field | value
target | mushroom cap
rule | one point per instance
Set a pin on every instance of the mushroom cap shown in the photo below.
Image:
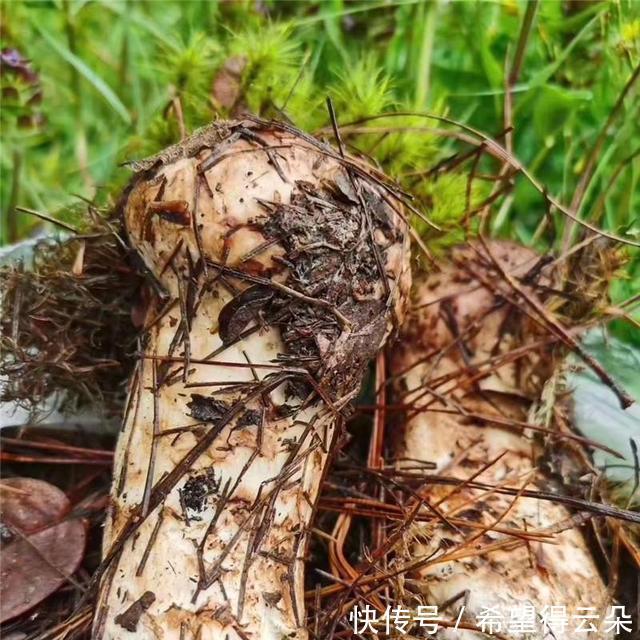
(269, 208)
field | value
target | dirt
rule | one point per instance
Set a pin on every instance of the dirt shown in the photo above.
(332, 257)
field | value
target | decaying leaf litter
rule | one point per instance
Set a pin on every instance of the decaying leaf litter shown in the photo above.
(365, 549)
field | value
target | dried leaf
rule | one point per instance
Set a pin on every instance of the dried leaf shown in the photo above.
(29, 504)
(39, 552)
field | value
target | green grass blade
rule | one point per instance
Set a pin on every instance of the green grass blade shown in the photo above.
(88, 74)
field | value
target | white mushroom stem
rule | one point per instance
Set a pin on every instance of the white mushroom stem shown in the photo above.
(279, 273)
(473, 360)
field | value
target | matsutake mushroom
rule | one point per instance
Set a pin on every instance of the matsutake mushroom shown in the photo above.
(478, 352)
(279, 267)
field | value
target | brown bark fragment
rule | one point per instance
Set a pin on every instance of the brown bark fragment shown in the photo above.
(130, 617)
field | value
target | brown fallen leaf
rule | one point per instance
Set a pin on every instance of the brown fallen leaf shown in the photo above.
(40, 550)
(29, 504)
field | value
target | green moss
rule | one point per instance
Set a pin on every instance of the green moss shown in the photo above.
(109, 71)
(362, 90)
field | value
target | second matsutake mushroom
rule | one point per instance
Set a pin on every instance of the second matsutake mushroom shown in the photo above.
(279, 268)
(476, 355)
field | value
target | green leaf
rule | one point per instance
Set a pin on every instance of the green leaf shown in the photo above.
(554, 106)
(542, 76)
(90, 76)
(597, 411)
